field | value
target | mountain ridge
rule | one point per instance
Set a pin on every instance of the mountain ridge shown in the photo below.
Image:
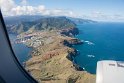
(19, 24)
(48, 23)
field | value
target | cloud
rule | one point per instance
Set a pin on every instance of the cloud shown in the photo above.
(24, 2)
(100, 16)
(27, 10)
(6, 6)
(59, 12)
(12, 9)
(118, 16)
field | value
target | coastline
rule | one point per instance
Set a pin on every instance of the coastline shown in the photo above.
(56, 54)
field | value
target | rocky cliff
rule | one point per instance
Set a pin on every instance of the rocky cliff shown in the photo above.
(52, 62)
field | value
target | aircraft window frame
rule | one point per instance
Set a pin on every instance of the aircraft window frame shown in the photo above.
(25, 73)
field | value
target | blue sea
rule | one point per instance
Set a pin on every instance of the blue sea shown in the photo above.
(21, 51)
(102, 41)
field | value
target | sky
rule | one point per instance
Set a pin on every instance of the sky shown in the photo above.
(99, 10)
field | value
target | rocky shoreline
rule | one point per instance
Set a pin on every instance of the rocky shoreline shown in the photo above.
(52, 40)
(53, 58)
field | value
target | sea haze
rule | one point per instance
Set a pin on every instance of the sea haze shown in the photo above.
(103, 41)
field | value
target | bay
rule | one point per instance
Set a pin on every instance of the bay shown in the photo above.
(21, 51)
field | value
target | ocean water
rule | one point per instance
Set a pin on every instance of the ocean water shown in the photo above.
(103, 41)
(21, 51)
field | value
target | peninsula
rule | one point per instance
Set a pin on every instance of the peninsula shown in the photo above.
(52, 57)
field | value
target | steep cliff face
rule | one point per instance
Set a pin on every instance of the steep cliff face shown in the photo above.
(70, 31)
(53, 62)
(57, 69)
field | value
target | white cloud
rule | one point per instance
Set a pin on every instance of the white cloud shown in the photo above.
(59, 12)
(118, 16)
(24, 2)
(100, 16)
(6, 6)
(27, 10)
(12, 9)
